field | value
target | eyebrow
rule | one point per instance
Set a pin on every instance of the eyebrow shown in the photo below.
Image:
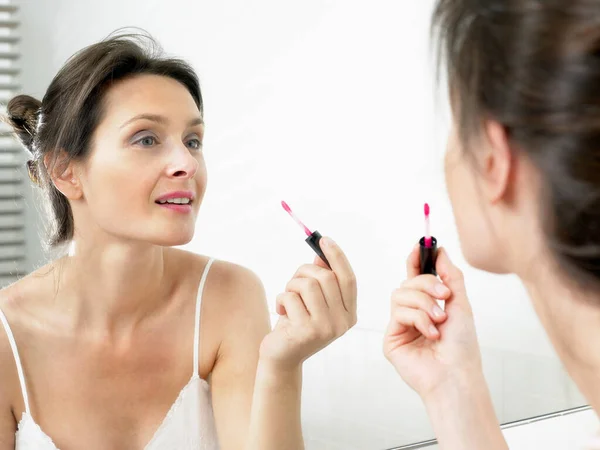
(162, 120)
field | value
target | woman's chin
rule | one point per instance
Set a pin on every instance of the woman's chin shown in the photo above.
(173, 240)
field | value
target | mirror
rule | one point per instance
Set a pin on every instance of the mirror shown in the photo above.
(331, 106)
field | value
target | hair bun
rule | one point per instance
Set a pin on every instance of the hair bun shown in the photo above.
(23, 112)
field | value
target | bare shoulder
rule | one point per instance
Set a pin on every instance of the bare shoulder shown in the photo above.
(10, 390)
(234, 303)
(17, 302)
(12, 302)
(227, 283)
(7, 361)
(234, 283)
(20, 302)
(22, 299)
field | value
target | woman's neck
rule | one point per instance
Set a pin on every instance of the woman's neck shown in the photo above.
(109, 288)
(571, 318)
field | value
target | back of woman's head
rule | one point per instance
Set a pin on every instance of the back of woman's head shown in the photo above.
(60, 128)
(534, 67)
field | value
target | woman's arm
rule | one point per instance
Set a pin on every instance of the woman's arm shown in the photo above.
(463, 416)
(275, 422)
(317, 307)
(7, 428)
(257, 379)
(436, 352)
(244, 322)
(9, 384)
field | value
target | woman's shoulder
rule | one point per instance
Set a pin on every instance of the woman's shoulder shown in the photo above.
(234, 303)
(230, 290)
(20, 297)
(6, 356)
(10, 298)
(224, 277)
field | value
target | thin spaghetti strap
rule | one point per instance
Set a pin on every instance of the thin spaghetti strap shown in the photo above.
(13, 346)
(198, 311)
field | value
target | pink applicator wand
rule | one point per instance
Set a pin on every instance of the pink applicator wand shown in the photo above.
(313, 236)
(428, 247)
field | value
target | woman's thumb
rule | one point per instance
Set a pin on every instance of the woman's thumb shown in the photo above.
(451, 275)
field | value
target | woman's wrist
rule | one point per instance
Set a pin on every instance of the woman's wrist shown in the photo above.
(276, 407)
(272, 374)
(462, 414)
(460, 382)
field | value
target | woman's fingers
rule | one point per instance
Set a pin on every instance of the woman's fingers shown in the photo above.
(428, 284)
(413, 263)
(417, 319)
(343, 270)
(327, 279)
(290, 304)
(412, 298)
(451, 275)
(311, 295)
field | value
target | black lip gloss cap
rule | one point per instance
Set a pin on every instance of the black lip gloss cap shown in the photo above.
(313, 241)
(428, 256)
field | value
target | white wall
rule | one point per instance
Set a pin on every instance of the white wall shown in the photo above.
(328, 104)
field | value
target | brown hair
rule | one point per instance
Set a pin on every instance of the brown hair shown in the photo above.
(63, 123)
(534, 66)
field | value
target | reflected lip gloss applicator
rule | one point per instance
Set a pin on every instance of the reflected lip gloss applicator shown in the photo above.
(427, 247)
(313, 236)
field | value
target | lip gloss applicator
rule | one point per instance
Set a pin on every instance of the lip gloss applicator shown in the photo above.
(428, 247)
(313, 236)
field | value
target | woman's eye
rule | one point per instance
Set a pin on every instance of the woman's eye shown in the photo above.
(195, 144)
(146, 141)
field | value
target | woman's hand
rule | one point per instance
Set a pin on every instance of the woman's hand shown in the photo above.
(317, 307)
(429, 347)
(437, 354)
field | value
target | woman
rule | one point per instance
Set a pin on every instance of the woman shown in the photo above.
(523, 176)
(106, 347)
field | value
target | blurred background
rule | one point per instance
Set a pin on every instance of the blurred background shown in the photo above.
(332, 106)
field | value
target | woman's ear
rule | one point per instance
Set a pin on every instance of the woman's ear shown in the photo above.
(64, 174)
(497, 161)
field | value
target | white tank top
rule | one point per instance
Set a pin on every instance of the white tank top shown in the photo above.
(189, 424)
